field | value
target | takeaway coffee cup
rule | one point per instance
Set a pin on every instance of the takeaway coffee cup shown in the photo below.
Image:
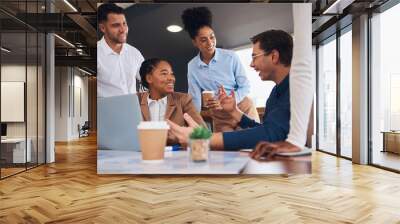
(153, 139)
(207, 95)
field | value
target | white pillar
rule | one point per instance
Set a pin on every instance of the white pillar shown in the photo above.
(360, 90)
(50, 99)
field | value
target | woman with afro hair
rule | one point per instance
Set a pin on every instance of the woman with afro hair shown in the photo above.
(213, 68)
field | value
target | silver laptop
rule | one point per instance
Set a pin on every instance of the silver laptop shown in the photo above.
(117, 121)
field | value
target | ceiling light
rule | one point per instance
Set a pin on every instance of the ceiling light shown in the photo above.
(174, 28)
(337, 7)
(70, 5)
(5, 50)
(84, 71)
(65, 41)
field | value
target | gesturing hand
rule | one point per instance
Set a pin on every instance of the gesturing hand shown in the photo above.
(182, 133)
(227, 102)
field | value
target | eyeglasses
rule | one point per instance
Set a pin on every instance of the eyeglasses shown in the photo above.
(254, 56)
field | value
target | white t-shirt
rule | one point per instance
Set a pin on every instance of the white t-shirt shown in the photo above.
(157, 108)
(117, 73)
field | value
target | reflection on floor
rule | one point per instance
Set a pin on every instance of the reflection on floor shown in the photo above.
(10, 171)
(387, 159)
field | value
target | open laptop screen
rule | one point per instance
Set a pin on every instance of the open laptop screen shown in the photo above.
(117, 121)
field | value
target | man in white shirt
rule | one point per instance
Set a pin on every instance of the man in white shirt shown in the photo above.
(118, 63)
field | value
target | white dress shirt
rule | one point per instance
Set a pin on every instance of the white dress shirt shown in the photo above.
(301, 76)
(157, 108)
(117, 73)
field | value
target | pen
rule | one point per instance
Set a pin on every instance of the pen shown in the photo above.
(172, 148)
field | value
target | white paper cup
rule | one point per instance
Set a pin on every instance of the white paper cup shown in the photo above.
(153, 139)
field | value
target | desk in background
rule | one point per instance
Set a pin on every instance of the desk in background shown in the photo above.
(13, 150)
(391, 141)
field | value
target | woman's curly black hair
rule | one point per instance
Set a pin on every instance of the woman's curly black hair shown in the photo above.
(146, 68)
(195, 18)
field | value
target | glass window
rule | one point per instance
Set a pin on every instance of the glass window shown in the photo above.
(22, 90)
(385, 87)
(346, 94)
(14, 147)
(327, 96)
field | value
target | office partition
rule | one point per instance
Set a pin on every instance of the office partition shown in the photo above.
(22, 77)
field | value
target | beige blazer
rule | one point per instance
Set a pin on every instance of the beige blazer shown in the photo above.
(177, 105)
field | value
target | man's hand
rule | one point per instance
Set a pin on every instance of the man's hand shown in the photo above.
(182, 133)
(268, 150)
(228, 104)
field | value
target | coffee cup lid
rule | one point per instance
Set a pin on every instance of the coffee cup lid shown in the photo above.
(153, 125)
(208, 91)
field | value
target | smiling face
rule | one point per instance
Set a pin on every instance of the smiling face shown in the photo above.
(115, 28)
(265, 63)
(161, 79)
(205, 40)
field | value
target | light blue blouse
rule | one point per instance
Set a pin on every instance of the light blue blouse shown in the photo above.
(224, 69)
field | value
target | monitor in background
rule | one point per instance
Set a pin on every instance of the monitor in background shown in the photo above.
(3, 129)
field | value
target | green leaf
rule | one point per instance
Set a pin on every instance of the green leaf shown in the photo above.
(200, 133)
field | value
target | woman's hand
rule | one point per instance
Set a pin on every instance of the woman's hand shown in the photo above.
(213, 104)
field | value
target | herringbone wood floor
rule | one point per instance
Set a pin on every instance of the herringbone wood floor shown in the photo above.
(70, 191)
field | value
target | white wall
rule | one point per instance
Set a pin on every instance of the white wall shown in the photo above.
(33, 127)
(71, 94)
(62, 81)
(17, 73)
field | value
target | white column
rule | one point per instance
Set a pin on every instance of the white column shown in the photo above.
(360, 90)
(50, 99)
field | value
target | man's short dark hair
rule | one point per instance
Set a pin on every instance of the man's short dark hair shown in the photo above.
(107, 8)
(278, 40)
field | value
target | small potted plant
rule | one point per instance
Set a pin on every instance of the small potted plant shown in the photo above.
(200, 144)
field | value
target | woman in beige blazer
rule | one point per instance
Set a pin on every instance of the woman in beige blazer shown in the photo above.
(159, 102)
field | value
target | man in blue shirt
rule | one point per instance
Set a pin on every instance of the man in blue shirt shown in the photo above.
(272, 55)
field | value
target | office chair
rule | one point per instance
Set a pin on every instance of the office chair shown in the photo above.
(84, 130)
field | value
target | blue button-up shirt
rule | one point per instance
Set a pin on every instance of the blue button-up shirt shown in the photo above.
(224, 69)
(275, 126)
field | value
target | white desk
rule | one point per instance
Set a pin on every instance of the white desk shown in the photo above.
(18, 149)
(177, 162)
